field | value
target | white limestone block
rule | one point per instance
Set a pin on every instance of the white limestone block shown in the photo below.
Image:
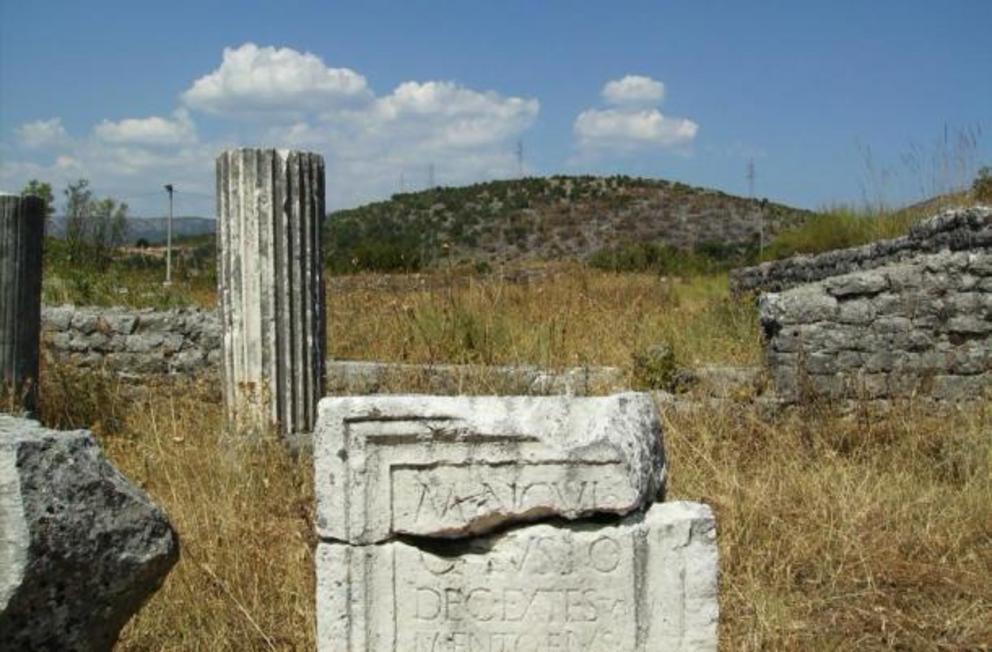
(458, 466)
(648, 583)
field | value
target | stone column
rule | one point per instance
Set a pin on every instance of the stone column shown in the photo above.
(270, 211)
(22, 228)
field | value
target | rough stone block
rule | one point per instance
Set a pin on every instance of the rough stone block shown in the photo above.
(646, 583)
(451, 466)
(80, 548)
(856, 284)
(58, 318)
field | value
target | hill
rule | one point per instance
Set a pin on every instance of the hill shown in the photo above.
(553, 218)
(151, 229)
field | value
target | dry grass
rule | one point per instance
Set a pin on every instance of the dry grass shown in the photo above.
(573, 318)
(867, 531)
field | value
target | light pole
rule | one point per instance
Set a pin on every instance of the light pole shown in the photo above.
(168, 239)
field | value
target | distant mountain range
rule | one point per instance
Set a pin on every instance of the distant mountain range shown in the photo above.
(152, 229)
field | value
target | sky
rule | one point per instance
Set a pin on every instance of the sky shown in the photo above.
(827, 102)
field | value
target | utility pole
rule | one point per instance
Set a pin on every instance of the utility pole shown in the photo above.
(761, 213)
(430, 176)
(520, 158)
(168, 239)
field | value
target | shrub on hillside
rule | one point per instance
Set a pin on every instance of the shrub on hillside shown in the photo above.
(707, 258)
(981, 188)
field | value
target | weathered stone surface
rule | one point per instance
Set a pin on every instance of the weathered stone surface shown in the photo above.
(919, 327)
(452, 466)
(22, 229)
(131, 341)
(647, 583)
(270, 212)
(80, 547)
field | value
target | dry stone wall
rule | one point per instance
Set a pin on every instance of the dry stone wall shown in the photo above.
(127, 341)
(919, 327)
(954, 230)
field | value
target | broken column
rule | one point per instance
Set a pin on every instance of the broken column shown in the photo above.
(505, 524)
(270, 211)
(81, 548)
(22, 229)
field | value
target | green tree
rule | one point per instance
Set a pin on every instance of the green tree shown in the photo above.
(93, 227)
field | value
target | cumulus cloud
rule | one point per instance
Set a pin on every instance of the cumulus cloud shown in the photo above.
(295, 100)
(467, 135)
(616, 128)
(633, 122)
(153, 130)
(448, 115)
(254, 79)
(42, 133)
(634, 90)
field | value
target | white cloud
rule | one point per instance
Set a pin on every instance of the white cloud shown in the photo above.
(633, 122)
(634, 90)
(625, 129)
(444, 114)
(466, 134)
(42, 133)
(297, 101)
(254, 79)
(153, 130)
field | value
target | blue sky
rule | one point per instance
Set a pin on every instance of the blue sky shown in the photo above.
(132, 94)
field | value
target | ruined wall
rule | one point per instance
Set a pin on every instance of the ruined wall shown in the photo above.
(922, 326)
(954, 230)
(184, 340)
(187, 341)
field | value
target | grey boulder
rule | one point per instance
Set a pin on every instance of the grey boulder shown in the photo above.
(81, 548)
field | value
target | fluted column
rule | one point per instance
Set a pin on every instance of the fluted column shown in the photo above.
(22, 228)
(270, 210)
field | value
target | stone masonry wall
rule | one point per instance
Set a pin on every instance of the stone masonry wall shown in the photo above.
(136, 343)
(954, 230)
(184, 340)
(922, 326)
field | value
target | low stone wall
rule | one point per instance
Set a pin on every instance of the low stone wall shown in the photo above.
(954, 230)
(922, 326)
(127, 341)
(187, 341)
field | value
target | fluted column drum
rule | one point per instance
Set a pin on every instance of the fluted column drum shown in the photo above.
(270, 212)
(22, 230)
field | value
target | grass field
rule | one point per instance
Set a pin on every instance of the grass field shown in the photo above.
(864, 530)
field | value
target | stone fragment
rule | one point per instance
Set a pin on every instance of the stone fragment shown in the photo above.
(646, 583)
(859, 283)
(453, 466)
(80, 548)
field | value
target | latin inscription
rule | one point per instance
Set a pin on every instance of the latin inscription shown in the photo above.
(531, 593)
(426, 500)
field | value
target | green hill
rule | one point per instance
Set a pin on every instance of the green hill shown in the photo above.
(554, 218)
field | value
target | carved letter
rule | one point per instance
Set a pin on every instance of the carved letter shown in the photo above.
(434, 610)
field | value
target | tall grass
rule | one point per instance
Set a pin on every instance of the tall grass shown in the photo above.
(573, 318)
(838, 228)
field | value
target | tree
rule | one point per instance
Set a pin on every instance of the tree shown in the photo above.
(93, 227)
(44, 190)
